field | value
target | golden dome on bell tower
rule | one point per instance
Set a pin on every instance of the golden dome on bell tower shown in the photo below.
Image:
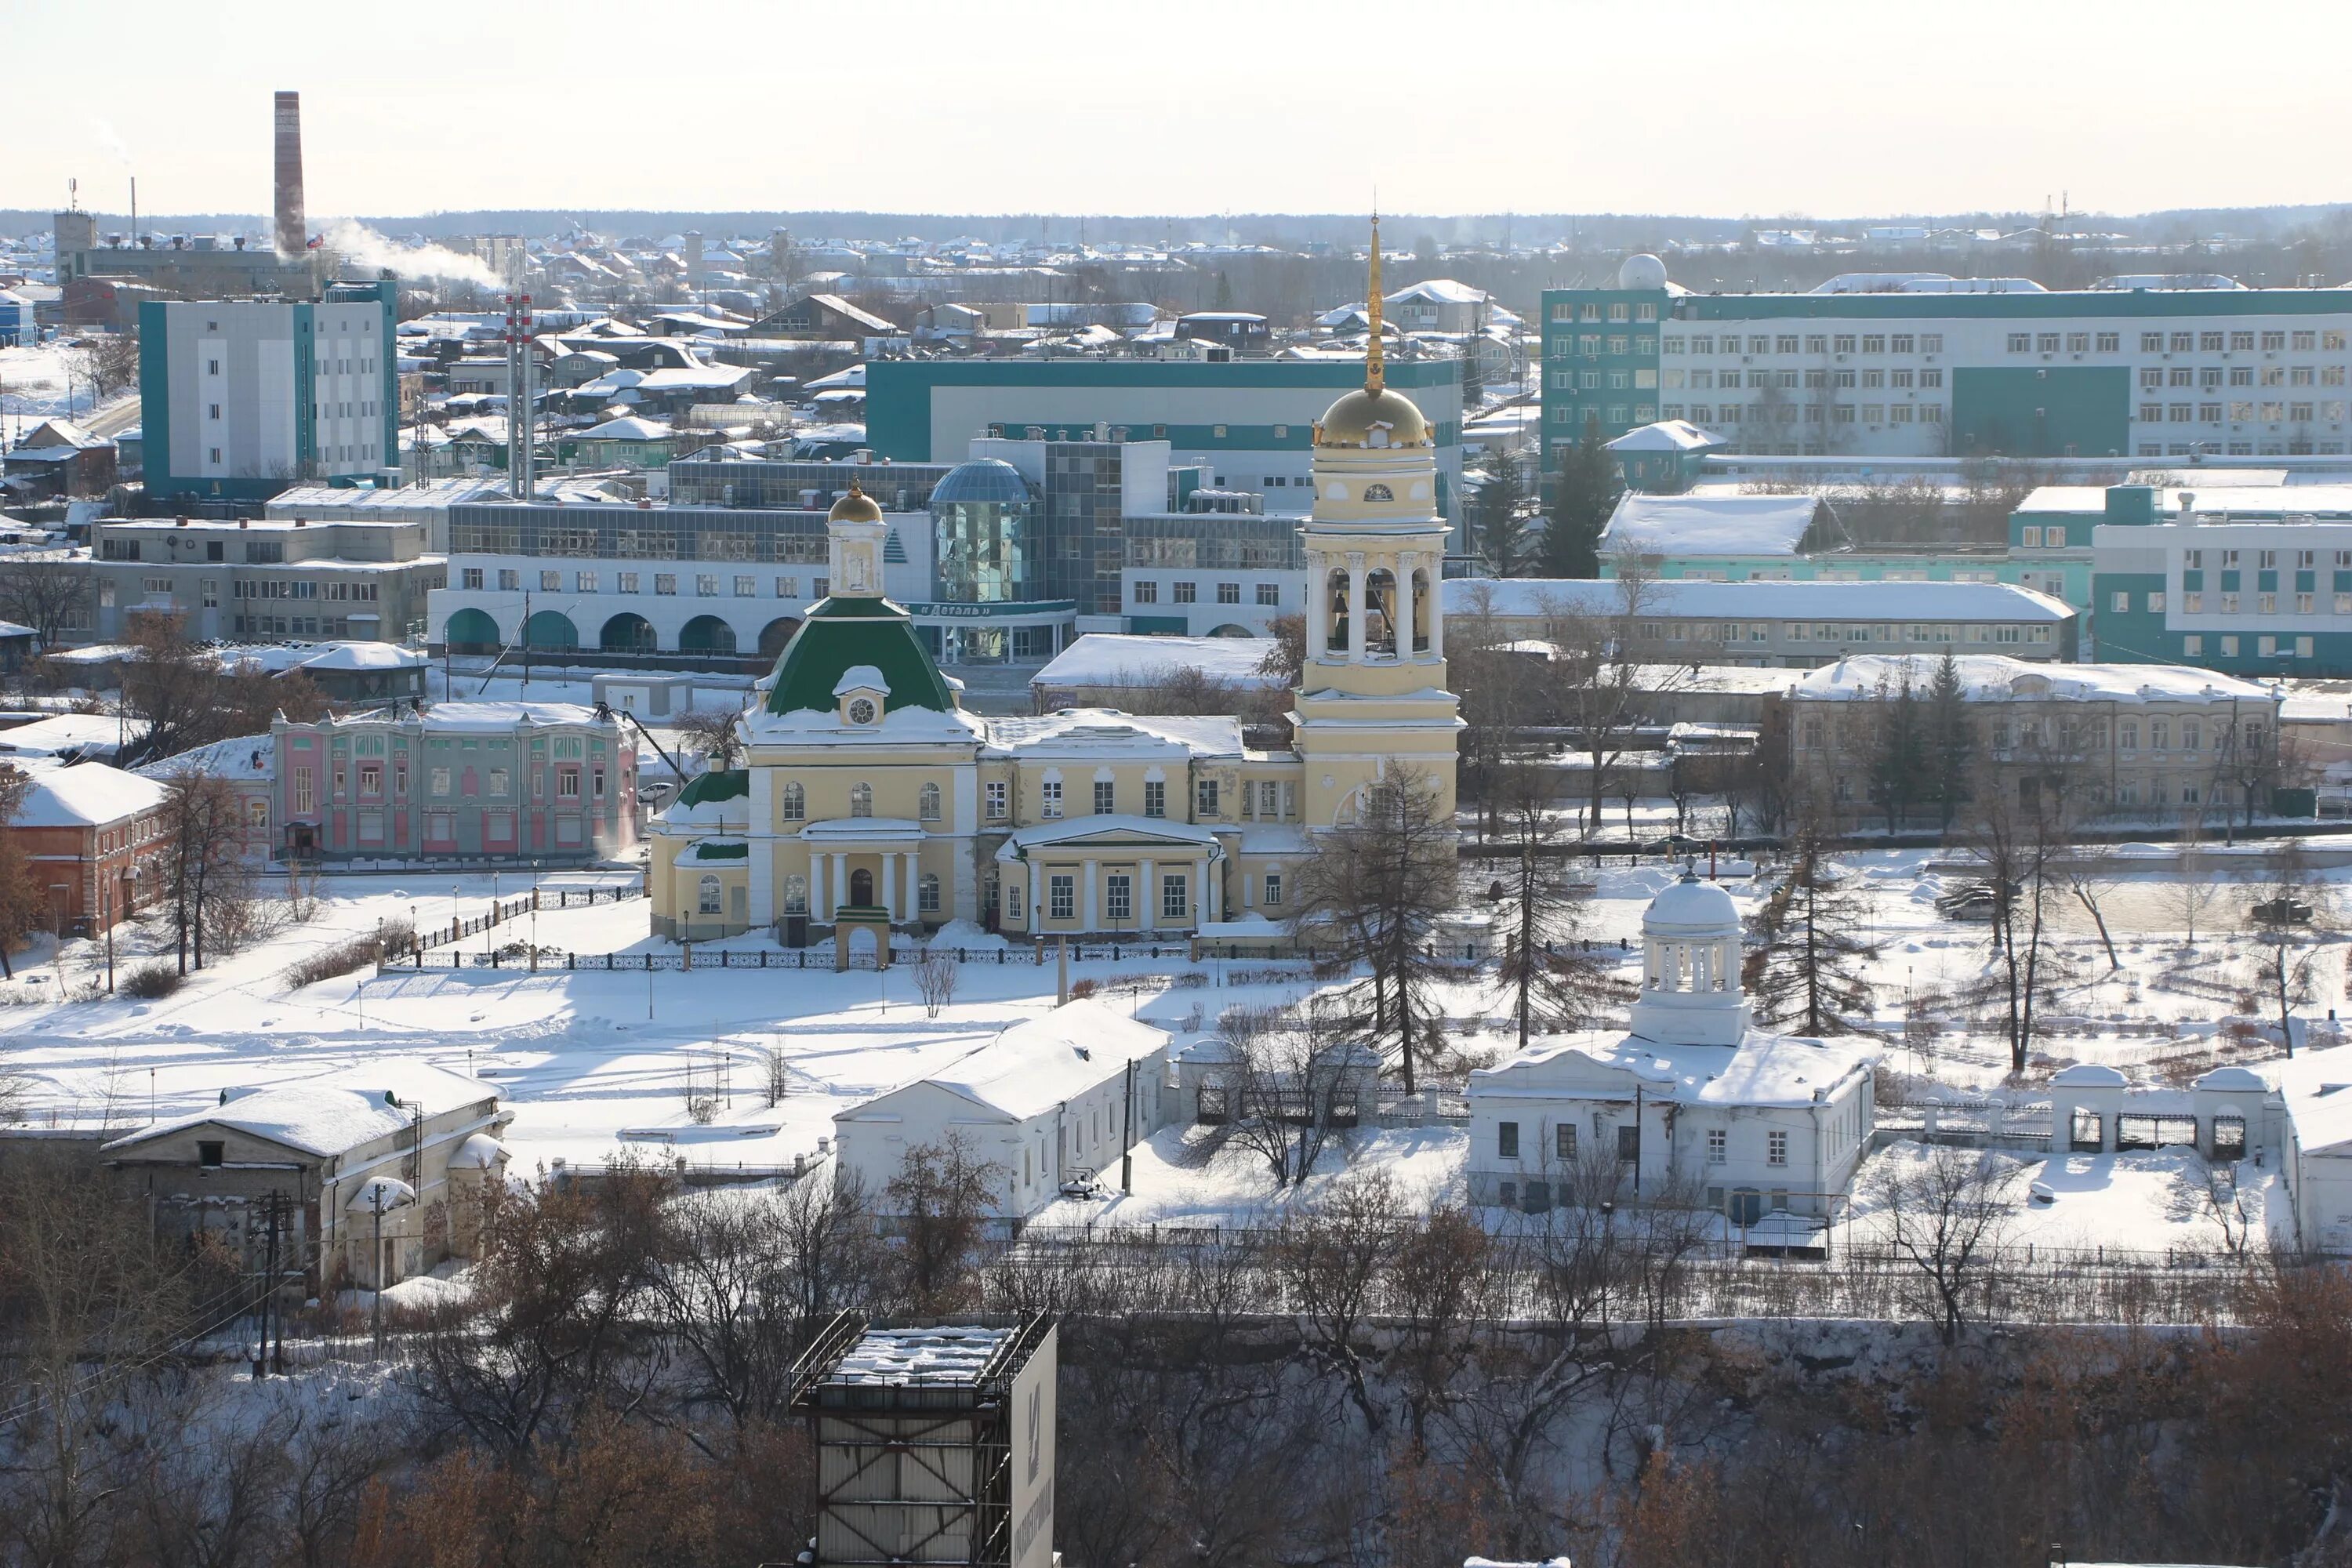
(1374, 415)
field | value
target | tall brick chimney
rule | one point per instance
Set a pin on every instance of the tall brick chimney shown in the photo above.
(293, 234)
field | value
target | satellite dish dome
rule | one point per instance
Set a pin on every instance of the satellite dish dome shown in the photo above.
(1641, 271)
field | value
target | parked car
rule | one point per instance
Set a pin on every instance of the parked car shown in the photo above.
(1976, 903)
(2282, 911)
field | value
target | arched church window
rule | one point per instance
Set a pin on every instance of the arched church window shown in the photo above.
(707, 903)
(928, 807)
(1379, 492)
(795, 803)
(861, 800)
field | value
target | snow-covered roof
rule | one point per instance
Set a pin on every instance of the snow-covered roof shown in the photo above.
(1710, 524)
(1764, 1068)
(61, 733)
(1994, 678)
(367, 656)
(2220, 502)
(1755, 600)
(503, 715)
(247, 757)
(2318, 1089)
(1667, 436)
(1114, 659)
(949, 1356)
(86, 794)
(335, 1111)
(1439, 291)
(1106, 732)
(628, 429)
(1034, 1065)
(860, 677)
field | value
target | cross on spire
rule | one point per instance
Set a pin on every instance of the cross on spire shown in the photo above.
(1375, 364)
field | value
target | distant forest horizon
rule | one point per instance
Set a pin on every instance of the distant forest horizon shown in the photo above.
(1404, 230)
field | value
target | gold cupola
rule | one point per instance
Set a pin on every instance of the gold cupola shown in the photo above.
(1374, 417)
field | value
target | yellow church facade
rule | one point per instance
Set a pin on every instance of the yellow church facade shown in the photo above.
(868, 797)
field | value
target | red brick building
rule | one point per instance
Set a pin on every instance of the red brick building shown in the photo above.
(94, 838)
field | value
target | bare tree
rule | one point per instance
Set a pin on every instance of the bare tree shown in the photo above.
(1375, 890)
(1288, 1081)
(204, 838)
(23, 909)
(935, 978)
(941, 1199)
(716, 736)
(1946, 1212)
(47, 593)
(1599, 677)
(2296, 906)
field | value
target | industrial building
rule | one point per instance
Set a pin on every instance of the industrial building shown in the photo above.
(240, 399)
(263, 580)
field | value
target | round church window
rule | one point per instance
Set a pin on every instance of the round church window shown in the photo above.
(861, 711)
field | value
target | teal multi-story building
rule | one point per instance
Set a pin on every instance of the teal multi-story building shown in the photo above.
(2251, 581)
(241, 398)
(1248, 423)
(1922, 365)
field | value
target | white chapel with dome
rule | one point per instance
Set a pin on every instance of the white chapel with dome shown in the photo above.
(869, 799)
(1691, 1104)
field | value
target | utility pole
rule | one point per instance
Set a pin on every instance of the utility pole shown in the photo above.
(1126, 1136)
(376, 1270)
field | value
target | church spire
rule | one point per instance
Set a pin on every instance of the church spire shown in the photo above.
(1375, 364)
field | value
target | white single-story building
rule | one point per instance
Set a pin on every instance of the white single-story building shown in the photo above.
(1694, 1104)
(322, 1151)
(1044, 1101)
(2316, 1088)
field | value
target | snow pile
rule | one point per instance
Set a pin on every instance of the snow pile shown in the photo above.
(947, 1356)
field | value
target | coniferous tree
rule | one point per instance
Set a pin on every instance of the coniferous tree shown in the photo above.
(1808, 966)
(1499, 531)
(1951, 740)
(1583, 497)
(1900, 765)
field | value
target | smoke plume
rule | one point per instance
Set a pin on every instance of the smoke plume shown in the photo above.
(358, 244)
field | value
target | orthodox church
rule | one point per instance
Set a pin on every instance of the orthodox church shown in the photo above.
(868, 797)
(1693, 1104)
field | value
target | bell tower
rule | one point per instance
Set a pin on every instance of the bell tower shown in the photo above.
(1373, 690)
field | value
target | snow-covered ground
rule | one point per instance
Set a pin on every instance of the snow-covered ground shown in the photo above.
(599, 1066)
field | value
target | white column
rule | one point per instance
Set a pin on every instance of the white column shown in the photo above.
(914, 904)
(1437, 612)
(764, 846)
(889, 889)
(1036, 889)
(1319, 606)
(818, 908)
(1146, 910)
(1356, 574)
(1404, 575)
(1087, 897)
(1212, 888)
(840, 879)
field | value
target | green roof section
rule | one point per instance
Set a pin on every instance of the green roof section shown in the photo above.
(841, 634)
(719, 783)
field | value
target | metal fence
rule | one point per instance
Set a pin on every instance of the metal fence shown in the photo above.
(1532, 1277)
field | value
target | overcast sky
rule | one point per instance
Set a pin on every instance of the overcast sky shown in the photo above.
(1761, 107)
